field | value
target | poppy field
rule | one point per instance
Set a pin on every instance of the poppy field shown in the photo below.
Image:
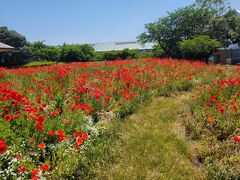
(50, 115)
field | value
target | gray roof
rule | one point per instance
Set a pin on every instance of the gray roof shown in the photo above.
(5, 46)
(118, 46)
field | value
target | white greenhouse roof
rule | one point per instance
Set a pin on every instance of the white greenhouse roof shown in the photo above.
(118, 46)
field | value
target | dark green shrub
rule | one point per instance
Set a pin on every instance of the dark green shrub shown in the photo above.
(76, 53)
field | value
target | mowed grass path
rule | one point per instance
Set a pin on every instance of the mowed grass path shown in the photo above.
(151, 145)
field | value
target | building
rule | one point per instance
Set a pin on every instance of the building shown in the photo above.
(5, 47)
(226, 56)
(118, 46)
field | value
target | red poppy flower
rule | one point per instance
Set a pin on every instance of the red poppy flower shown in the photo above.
(79, 141)
(210, 120)
(38, 100)
(59, 132)
(42, 145)
(61, 138)
(6, 108)
(39, 126)
(22, 169)
(3, 147)
(34, 174)
(237, 139)
(84, 135)
(76, 134)
(32, 139)
(45, 167)
(8, 117)
(44, 105)
(51, 133)
(76, 147)
(41, 118)
(18, 156)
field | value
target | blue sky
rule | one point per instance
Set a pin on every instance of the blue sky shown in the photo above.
(85, 21)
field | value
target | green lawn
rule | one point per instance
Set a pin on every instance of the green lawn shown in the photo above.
(40, 63)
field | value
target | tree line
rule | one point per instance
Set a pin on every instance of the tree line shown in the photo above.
(26, 52)
(195, 31)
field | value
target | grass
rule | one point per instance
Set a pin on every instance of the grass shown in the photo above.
(148, 145)
(40, 63)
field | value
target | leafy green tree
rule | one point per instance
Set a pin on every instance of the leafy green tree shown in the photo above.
(216, 7)
(233, 26)
(123, 54)
(76, 53)
(41, 52)
(158, 52)
(39, 44)
(199, 47)
(179, 25)
(17, 56)
(224, 24)
(12, 38)
(225, 28)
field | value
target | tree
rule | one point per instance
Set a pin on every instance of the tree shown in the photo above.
(179, 25)
(224, 24)
(76, 53)
(158, 52)
(41, 52)
(123, 54)
(199, 47)
(12, 38)
(233, 25)
(17, 56)
(216, 7)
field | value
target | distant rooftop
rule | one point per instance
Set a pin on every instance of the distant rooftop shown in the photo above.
(118, 46)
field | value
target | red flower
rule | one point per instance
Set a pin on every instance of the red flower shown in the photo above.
(76, 147)
(8, 117)
(42, 145)
(210, 120)
(18, 156)
(237, 139)
(6, 108)
(32, 139)
(59, 132)
(34, 174)
(3, 146)
(55, 112)
(84, 135)
(61, 137)
(39, 126)
(51, 133)
(22, 169)
(76, 134)
(45, 167)
(44, 105)
(79, 141)
(41, 118)
(38, 100)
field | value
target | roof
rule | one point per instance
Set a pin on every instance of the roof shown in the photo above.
(118, 46)
(5, 46)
